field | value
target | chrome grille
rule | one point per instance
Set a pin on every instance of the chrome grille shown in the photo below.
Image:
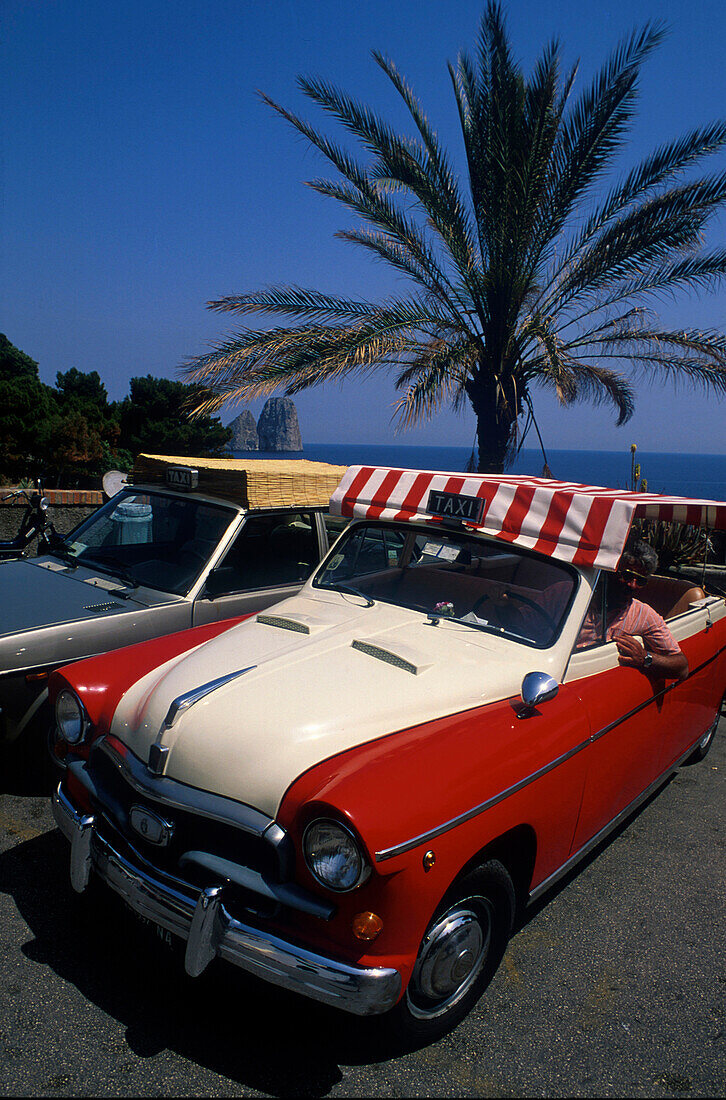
(115, 796)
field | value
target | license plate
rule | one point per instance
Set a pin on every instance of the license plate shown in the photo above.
(157, 930)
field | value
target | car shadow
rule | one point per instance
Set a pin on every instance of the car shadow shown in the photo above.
(227, 1021)
(26, 768)
(528, 914)
(27, 781)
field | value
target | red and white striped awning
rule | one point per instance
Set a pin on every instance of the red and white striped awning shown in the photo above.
(583, 524)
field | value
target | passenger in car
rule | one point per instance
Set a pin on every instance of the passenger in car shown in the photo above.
(626, 616)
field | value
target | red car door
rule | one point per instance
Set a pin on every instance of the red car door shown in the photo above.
(625, 708)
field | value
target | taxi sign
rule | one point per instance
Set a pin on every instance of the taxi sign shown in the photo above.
(455, 506)
(182, 477)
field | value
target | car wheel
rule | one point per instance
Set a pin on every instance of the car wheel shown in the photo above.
(702, 748)
(459, 954)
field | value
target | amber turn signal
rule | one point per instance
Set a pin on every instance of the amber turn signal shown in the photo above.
(366, 926)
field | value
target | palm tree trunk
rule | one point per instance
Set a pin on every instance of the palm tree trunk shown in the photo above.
(495, 420)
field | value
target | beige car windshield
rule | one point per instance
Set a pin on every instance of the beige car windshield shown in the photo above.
(487, 584)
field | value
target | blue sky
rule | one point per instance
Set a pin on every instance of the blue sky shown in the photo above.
(142, 177)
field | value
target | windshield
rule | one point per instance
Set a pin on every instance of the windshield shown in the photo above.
(152, 539)
(488, 585)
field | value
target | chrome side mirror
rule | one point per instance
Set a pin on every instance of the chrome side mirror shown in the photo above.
(538, 687)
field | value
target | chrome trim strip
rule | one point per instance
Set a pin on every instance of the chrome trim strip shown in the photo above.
(588, 847)
(424, 838)
(157, 758)
(656, 695)
(431, 834)
(177, 795)
(183, 702)
(159, 752)
(173, 905)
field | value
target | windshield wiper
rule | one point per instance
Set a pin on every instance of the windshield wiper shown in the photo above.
(352, 592)
(112, 567)
(64, 554)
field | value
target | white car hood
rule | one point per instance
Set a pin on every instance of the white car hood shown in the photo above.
(355, 674)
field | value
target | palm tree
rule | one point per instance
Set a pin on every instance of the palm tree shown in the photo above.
(519, 274)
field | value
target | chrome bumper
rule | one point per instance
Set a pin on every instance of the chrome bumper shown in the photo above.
(209, 930)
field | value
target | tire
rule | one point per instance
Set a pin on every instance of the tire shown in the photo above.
(458, 955)
(703, 747)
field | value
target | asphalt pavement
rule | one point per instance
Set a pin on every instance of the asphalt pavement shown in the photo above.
(614, 986)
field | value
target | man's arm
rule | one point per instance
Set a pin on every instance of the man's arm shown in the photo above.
(669, 666)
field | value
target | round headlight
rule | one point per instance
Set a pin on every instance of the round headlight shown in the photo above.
(334, 856)
(71, 718)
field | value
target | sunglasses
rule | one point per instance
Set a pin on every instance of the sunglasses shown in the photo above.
(631, 575)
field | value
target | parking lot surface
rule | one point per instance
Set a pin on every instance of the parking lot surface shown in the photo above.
(614, 985)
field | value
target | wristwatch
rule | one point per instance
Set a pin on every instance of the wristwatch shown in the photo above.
(648, 660)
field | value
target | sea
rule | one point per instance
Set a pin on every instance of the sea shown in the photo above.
(688, 475)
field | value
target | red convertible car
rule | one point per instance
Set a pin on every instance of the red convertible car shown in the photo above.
(352, 794)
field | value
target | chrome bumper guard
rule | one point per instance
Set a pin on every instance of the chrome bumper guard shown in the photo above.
(209, 930)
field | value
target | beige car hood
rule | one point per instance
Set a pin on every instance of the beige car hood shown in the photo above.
(323, 673)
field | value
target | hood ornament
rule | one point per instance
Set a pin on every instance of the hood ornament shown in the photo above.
(157, 758)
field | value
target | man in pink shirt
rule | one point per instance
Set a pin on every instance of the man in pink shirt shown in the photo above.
(626, 616)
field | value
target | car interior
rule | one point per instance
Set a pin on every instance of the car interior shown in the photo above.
(271, 549)
(479, 582)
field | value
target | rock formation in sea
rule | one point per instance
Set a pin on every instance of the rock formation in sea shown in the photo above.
(278, 428)
(244, 432)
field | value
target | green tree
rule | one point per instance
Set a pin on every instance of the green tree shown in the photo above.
(84, 390)
(155, 418)
(71, 435)
(520, 275)
(84, 434)
(26, 410)
(76, 452)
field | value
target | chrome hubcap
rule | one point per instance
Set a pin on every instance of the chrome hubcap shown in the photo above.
(451, 958)
(708, 735)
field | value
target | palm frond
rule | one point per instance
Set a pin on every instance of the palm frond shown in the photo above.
(652, 232)
(663, 164)
(295, 301)
(574, 380)
(295, 360)
(402, 164)
(593, 133)
(437, 377)
(593, 383)
(516, 273)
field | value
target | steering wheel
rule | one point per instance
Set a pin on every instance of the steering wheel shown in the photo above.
(512, 595)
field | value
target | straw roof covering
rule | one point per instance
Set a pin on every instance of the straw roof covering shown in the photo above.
(254, 483)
